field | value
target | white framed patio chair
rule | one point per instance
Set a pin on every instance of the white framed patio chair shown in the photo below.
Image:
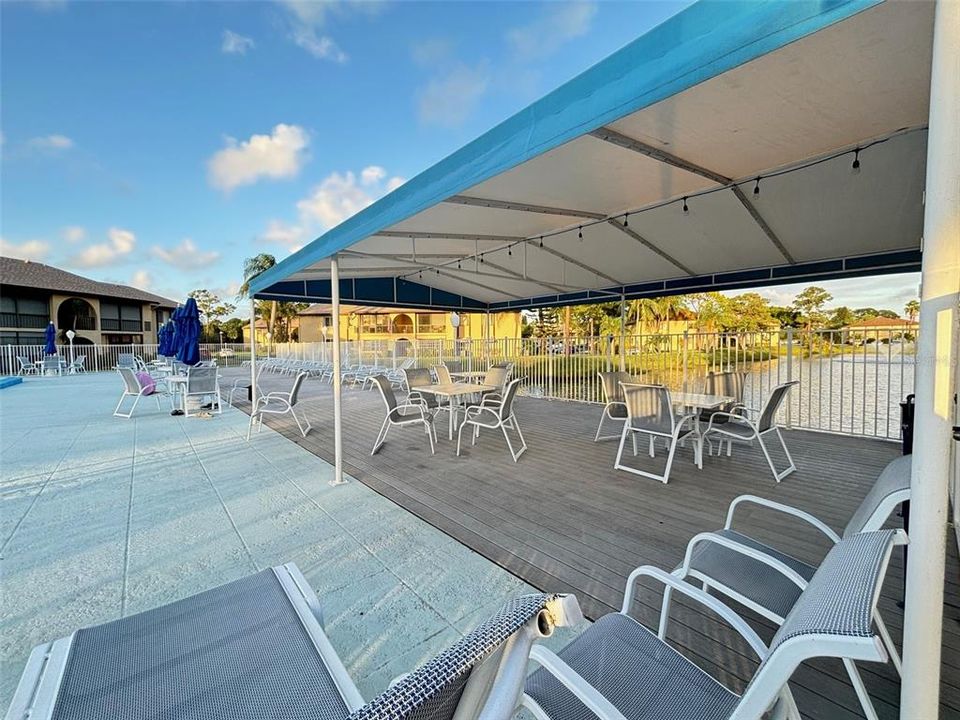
(619, 670)
(727, 384)
(132, 387)
(498, 376)
(650, 412)
(203, 383)
(27, 366)
(416, 378)
(256, 648)
(280, 403)
(51, 365)
(243, 383)
(769, 581)
(614, 407)
(495, 414)
(127, 360)
(413, 412)
(736, 426)
(77, 366)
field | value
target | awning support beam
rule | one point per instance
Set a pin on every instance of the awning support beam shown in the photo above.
(523, 207)
(649, 245)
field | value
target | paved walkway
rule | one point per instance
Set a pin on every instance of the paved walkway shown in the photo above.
(102, 517)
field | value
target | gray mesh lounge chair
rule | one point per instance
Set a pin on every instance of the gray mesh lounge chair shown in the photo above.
(132, 388)
(77, 366)
(618, 669)
(737, 427)
(27, 366)
(769, 581)
(419, 377)
(280, 403)
(650, 412)
(202, 382)
(495, 414)
(614, 408)
(412, 412)
(255, 648)
(497, 376)
(52, 366)
(127, 360)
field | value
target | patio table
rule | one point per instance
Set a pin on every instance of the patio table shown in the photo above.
(469, 376)
(453, 392)
(178, 389)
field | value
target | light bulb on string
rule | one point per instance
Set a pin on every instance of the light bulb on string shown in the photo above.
(626, 220)
(580, 232)
(541, 241)
(855, 168)
(756, 188)
(686, 210)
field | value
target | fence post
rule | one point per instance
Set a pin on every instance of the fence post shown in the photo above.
(550, 359)
(686, 336)
(789, 374)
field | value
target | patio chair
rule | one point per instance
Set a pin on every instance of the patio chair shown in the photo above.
(280, 403)
(737, 426)
(614, 408)
(769, 581)
(650, 412)
(727, 384)
(202, 382)
(617, 669)
(495, 414)
(77, 366)
(243, 383)
(132, 387)
(27, 366)
(419, 377)
(127, 360)
(401, 415)
(51, 365)
(256, 648)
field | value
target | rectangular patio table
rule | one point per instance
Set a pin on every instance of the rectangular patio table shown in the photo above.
(453, 392)
(470, 375)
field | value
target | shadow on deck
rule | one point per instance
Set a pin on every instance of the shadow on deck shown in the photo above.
(564, 520)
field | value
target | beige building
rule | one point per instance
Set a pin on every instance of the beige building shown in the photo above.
(879, 329)
(33, 294)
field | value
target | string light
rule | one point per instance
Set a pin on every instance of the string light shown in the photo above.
(756, 188)
(580, 232)
(458, 264)
(856, 162)
(541, 241)
(510, 250)
(626, 220)
(481, 257)
(686, 210)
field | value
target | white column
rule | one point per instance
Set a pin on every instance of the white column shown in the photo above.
(337, 407)
(935, 364)
(623, 333)
(253, 350)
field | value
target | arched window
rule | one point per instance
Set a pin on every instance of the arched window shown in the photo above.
(76, 314)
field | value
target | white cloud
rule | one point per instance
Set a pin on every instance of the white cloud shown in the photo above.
(235, 43)
(50, 143)
(185, 256)
(278, 155)
(336, 198)
(73, 234)
(120, 243)
(448, 100)
(36, 250)
(142, 279)
(322, 47)
(559, 23)
(307, 18)
(429, 53)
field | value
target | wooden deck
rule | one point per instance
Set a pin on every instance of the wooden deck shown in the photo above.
(564, 520)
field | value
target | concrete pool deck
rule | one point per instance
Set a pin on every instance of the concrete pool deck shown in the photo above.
(102, 517)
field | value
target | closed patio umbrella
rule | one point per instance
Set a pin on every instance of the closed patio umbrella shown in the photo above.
(51, 346)
(188, 351)
(173, 344)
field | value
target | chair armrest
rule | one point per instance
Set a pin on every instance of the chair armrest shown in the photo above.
(574, 682)
(732, 416)
(779, 507)
(750, 552)
(674, 583)
(419, 407)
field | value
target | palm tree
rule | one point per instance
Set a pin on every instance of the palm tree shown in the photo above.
(912, 310)
(251, 268)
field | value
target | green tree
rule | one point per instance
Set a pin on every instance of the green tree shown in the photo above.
(251, 268)
(749, 312)
(841, 317)
(912, 310)
(809, 303)
(787, 317)
(212, 309)
(547, 323)
(233, 330)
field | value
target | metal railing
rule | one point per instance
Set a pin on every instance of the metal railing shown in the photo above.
(850, 384)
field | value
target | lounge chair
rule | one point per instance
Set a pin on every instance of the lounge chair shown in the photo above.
(77, 366)
(650, 412)
(255, 648)
(495, 414)
(413, 412)
(280, 403)
(203, 382)
(132, 387)
(52, 366)
(737, 426)
(769, 581)
(127, 360)
(614, 408)
(619, 670)
(27, 366)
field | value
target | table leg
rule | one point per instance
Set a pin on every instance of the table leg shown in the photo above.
(454, 401)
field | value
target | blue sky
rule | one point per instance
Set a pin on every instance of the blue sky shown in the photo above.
(161, 143)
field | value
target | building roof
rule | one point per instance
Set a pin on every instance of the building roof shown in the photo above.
(882, 322)
(30, 274)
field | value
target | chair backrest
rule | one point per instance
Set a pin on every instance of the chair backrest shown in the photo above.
(496, 377)
(386, 392)
(833, 617)
(51, 362)
(891, 488)
(728, 384)
(417, 377)
(437, 688)
(443, 374)
(506, 407)
(610, 382)
(769, 415)
(126, 360)
(79, 361)
(295, 391)
(649, 407)
(201, 380)
(25, 362)
(130, 382)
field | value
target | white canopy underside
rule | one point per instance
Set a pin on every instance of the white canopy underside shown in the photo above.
(862, 79)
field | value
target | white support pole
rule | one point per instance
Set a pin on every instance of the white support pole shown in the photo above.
(936, 362)
(337, 406)
(623, 333)
(253, 351)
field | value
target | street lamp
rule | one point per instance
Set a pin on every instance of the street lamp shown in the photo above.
(70, 336)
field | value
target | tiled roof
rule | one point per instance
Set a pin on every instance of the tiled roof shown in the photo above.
(30, 274)
(883, 322)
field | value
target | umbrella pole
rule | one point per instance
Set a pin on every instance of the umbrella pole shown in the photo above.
(253, 352)
(337, 409)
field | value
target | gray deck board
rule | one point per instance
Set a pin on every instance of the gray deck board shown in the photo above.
(564, 520)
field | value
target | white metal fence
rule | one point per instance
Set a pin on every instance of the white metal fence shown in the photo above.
(848, 384)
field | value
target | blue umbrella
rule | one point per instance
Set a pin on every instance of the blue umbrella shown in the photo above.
(162, 340)
(51, 348)
(168, 332)
(173, 344)
(189, 351)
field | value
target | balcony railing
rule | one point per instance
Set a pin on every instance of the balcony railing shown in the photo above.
(114, 325)
(85, 322)
(21, 320)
